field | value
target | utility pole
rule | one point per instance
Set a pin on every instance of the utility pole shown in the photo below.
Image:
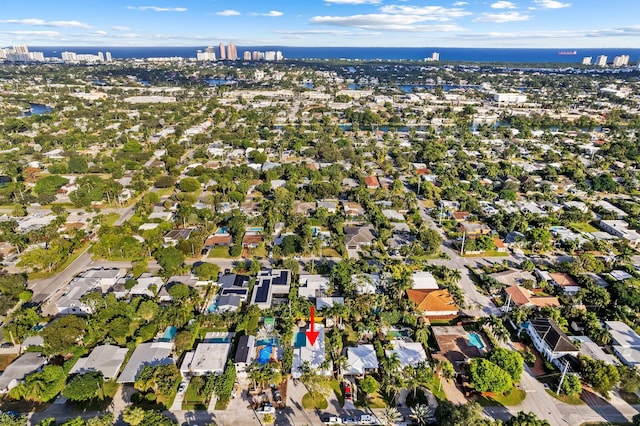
(464, 235)
(564, 373)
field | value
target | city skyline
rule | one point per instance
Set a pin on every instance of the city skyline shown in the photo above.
(371, 23)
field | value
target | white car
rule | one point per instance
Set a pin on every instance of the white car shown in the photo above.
(182, 388)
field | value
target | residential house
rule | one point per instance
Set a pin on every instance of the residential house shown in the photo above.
(620, 229)
(216, 240)
(371, 182)
(423, 280)
(357, 237)
(245, 354)
(209, 357)
(361, 360)
(550, 340)
(565, 281)
(522, 297)
(271, 283)
(330, 205)
(472, 228)
(147, 285)
(591, 349)
(15, 372)
(172, 237)
(434, 304)
(313, 286)
(512, 277)
(252, 239)
(365, 283)
(352, 209)
(315, 355)
(152, 353)
(106, 359)
(625, 343)
(409, 353)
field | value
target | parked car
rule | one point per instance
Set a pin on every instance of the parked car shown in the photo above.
(182, 388)
(277, 397)
(266, 408)
(347, 391)
(333, 421)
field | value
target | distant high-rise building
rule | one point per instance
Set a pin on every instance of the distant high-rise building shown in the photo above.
(232, 52)
(621, 61)
(108, 57)
(223, 53)
(101, 56)
(207, 55)
(601, 61)
(586, 60)
(210, 49)
(435, 56)
(69, 56)
(21, 48)
(246, 55)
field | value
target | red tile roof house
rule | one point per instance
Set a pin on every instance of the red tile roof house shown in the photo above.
(371, 182)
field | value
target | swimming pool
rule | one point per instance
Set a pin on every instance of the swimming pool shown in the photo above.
(213, 307)
(300, 340)
(255, 229)
(398, 333)
(475, 340)
(264, 355)
(273, 342)
(169, 334)
(222, 230)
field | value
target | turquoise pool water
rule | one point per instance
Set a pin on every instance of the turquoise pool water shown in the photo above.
(264, 356)
(272, 342)
(300, 340)
(213, 307)
(398, 333)
(223, 230)
(475, 340)
(169, 334)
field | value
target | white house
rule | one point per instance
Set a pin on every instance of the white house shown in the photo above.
(625, 343)
(550, 340)
(361, 359)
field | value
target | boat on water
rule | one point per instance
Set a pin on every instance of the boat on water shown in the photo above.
(567, 52)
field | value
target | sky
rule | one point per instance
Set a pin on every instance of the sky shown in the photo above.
(376, 23)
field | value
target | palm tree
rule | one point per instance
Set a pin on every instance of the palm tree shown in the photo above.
(497, 329)
(422, 334)
(391, 364)
(391, 416)
(420, 414)
(341, 364)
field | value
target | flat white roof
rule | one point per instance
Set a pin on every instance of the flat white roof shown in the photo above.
(409, 353)
(106, 358)
(361, 358)
(623, 335)
(154, 353)
(209, 358)
(315, 354)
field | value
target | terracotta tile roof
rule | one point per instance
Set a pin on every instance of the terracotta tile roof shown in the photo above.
(252, 239)
(371, 181)
(432, 300)
(521, 296)
(461, 215)
(563, 280)
(217, 239)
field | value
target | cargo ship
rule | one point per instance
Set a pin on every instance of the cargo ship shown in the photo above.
(567, 52)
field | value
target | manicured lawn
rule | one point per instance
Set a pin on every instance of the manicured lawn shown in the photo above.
(6, 359)
(260, 251)
(329, 252)
(314, 401)
(195, 398)
(488, 253)
(221, 253)
(583, 227)
(571, 400)
(110, 219)
(514, 397)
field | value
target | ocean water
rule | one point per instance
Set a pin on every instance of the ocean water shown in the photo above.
(510, 55)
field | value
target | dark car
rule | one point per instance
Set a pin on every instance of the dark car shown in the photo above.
(277, 397)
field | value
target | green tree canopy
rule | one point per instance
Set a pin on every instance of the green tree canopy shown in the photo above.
(63, 334)
(486, 376)
(509, 361)
(84, 387)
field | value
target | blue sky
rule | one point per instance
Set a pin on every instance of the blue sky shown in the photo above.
(402, 23)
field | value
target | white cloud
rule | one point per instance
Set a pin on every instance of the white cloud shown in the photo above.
(460, 3)
(99, 33)
(352, 1)
(120, 28)
(33, 33)
(428, 13)
(272, 13)
(228, 12)
(551, 4)
(504, 5)
(384, 22)
(34, 22)
(158, 9)
(340, 33)
(501, 18)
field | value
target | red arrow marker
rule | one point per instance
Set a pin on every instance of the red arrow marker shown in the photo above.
(312, 335)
